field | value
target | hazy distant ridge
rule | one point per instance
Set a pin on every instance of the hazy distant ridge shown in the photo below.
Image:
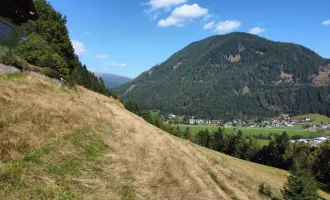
(112, 80)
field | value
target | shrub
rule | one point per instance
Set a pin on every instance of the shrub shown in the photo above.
(300, 185)
(38, 52)
(265, 190)
(51, 73)
(10, 59)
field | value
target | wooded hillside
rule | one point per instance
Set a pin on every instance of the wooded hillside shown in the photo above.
(237, 75)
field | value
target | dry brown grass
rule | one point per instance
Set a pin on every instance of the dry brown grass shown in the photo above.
(134, 160)
(33, 111)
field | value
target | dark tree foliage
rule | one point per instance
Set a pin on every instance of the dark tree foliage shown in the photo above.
(82, 76)
(187, 134)
(322, 164)
(52, 28)
(280, 152)
(48, 45)
(300, 185)
(201, 81)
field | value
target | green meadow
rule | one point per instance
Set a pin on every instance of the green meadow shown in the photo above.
(316, 118)
(291, 131)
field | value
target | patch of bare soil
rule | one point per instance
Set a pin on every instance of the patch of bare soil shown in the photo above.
(235, 58)
(176, 66)
(130, 88)
(324, 76)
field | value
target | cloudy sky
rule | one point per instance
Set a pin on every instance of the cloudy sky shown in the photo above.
(127, 37)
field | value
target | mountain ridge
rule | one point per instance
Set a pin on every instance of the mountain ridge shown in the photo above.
(112, 80)
(240, 68)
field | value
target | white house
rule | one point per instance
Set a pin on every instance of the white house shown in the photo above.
(319, 140)
(192, 121)
(171, 116)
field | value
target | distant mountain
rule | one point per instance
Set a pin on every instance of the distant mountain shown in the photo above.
(112, 80)
(237, 75)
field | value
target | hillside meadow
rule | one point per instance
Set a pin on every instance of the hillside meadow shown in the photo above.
(72, 143)
(316, 118)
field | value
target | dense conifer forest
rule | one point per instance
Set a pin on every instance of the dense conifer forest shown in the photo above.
(238, 75)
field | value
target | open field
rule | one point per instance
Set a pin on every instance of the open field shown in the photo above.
(318, 118)
(291, 131)
(263, 142)
(61, 143)
(154, 113)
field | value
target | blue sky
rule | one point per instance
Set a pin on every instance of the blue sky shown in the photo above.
(127, 37)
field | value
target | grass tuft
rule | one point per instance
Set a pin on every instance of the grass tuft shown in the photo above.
(12, 76)
(128, 193)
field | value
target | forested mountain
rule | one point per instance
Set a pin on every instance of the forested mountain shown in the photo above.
(112, 80)
(235, 75)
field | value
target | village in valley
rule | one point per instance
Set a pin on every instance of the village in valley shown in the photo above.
(284, 122)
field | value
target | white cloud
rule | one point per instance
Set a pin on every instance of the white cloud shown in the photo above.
(87, 33)
(189, 11)
(180, 14)
(164, 4)
(257, 30)
(115, 64)
(168, 22)
(102, 57)
(208, 17)
(209, 25)
(227, 26)
(79, 47)
(326, 23)
(104, 69)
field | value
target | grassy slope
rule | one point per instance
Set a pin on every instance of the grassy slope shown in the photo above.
(57, 143)
(318, 118)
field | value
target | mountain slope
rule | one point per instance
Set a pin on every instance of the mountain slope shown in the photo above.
(112, 80)
(235, 75)
(60, 143)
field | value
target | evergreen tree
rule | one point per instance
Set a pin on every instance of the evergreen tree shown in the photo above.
(251, 149)
(322, 165)
(187, 134)
(203, 138)
(300, 186)
(236, 144)
(220, 140)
